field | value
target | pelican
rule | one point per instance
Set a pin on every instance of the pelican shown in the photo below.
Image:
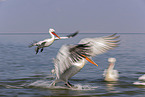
(72, 58)
(49, 41)
(142, 78)
(110, 74)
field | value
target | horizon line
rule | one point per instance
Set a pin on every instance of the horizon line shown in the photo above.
(64, 32)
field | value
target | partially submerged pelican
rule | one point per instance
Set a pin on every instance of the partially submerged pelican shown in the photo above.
(49, 41)
(142, 78)
(72, 58)
(141, 81)
(110, 74)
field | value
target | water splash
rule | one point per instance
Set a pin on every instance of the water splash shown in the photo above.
(46, 84)
(41, 83)
(84, 87)
(15, 87)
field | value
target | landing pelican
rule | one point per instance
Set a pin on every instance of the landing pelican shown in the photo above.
(49, 41)
(110, 74)
(72, 58)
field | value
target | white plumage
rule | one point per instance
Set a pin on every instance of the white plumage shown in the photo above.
(49, 41)
(110, 74)
(142, 78)
(71, 58)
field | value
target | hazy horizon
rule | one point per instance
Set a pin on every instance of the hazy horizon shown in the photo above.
(87, 16)
(71, 32)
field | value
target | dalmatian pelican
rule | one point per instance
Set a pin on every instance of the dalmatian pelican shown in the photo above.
(72, 58)
(49, 41)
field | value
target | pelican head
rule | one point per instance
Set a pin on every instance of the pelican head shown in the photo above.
(52, 31)
(111, 60)
(112, 63)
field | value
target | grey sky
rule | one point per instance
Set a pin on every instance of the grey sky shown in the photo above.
(71, 15)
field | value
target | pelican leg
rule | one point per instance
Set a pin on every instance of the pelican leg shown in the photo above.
(41, 49)
(69, 84)
(37, 49)
(52, 84)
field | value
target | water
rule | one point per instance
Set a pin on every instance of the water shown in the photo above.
(25, 74)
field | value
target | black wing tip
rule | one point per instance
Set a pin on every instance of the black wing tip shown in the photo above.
(73, 34)
(78, 51)
(112, 37)
(32, 43)
(82, 45)
(29, 46)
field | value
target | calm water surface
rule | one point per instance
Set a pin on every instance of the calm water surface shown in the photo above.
(25, 74)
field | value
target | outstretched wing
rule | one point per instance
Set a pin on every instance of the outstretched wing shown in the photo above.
(68, 36)
(102, 44)
(73, 34)
(39, 44)
(32, 44)
(68, 55)
(77, 52)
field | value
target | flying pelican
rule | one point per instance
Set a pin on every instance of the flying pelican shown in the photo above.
(72, 58)
(49, 41)
(110, 74)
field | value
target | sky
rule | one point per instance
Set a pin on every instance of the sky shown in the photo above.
(71, 15)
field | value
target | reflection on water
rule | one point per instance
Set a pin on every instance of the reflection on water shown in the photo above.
(111, 87)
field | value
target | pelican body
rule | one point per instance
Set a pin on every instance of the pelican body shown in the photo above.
(49, 41)
(72, 58)
(110, 74)
(142, 78)
(65, 67)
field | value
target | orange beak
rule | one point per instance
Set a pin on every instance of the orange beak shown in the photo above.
(55, 34)
(90, 60)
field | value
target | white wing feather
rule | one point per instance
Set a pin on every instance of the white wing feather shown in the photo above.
(56, 38)
(142, 78)
(68, 36)
(62, 61)
(115, 73)
(102, 44)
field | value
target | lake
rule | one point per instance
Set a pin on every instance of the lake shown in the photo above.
(25, 74)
